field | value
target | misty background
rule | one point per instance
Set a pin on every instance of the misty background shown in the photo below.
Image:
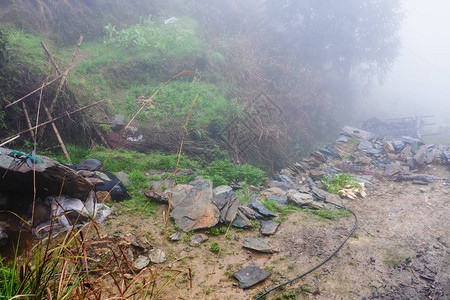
(419, 81)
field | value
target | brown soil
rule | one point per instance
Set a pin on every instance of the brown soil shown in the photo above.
(401, 250)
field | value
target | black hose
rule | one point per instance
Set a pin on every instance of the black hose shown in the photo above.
(324, 261)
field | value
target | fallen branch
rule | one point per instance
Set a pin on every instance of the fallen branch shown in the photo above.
(54, 119)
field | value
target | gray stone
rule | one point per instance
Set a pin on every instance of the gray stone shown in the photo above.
(286, 179)
(342, 139)
(250, 276)
(410, 162)
(279, 200)
(241, 221)
(305, 200)
(420, 157)
(365, 145)
(227, 204)
(175, 236)
(374, 151)
(122, 176)
(280, 185)
(118, 122)
(356, 132)
(157, 256)
(257, 244)
(249, 212)
(261, 209)
(141, 262)
(222, 189)
(90, 164)
(406, 152)
(398, 145)
(192, 206)
(388, 148)
(392, 169)
(432, 155)
(197, 239)
(269, 227)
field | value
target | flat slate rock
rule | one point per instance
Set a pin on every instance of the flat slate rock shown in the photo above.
(269, 227)
(249, 276)
(257, 244)
(257, 206)
(198, 239)
(241, 221)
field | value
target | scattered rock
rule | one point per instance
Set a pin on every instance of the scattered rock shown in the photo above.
(241, 221)
(250, 276)
(257, 244)
(175, 236)
(249, 212)
(257, 206)
(222, 189)
(269, 227)
(420, 157)
(123, 177)
(388, 147)
(197, 239)
(157, 256)
(141, 262)
(193, 207)
(90, 164)
(273, 191)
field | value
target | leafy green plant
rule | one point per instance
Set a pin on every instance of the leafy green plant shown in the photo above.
(217, 230)
(215, 247)
(339, 181)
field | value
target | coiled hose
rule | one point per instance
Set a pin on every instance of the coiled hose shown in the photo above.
(325, 260)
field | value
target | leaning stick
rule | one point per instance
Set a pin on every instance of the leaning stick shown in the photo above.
(25, 111)
(66, 72)
(54, 119)
(52, 59)
(61, 83)
(55, 129)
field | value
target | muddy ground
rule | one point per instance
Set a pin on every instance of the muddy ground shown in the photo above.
(400, 250)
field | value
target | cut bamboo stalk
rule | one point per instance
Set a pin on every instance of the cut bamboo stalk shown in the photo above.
(99, 133)
(25, 111)
(66, 72)
(61, 83)
(58, 136)
(54, 119)
(52, 59)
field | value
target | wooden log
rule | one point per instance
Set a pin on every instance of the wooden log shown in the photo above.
(54, 119)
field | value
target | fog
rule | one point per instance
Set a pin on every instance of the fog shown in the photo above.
(419, 81)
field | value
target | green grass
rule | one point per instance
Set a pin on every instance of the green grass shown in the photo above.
(339, 181)
(331, 214)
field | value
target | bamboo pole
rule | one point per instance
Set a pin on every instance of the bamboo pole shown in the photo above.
(99, 133)
(66, 72)
(58, 136)
(52, 59)
(54, 119)
(25, 111)
(61, 83)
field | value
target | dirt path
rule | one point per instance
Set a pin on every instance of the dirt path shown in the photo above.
(401, 250)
